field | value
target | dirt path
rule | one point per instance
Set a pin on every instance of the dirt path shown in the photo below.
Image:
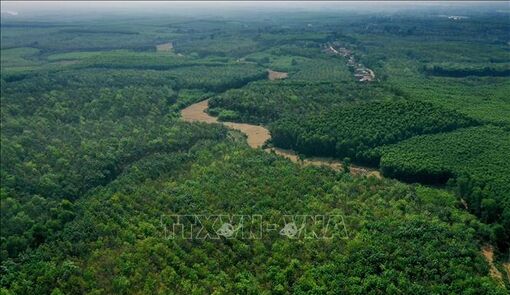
(507, 269)
(196, 113)
(488, 253)
(321, 161)
(258, 135)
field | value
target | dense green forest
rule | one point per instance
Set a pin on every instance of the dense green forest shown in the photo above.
(118, 226)
(94, 153)
(268, 101)
(354, 130)
(460, 70)
(478, 163)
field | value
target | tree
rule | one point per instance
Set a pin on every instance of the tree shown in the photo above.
(346, 165)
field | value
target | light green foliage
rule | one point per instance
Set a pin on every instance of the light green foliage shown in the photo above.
(484, 98)
(322, 70)
(417, 229)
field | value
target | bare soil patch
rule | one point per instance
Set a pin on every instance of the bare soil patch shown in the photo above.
(166, 47)
(196, 113)
(274, 75)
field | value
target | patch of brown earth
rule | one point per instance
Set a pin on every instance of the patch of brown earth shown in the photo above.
(274, 75)
(488, 253)
(506, 266)
(258, 135)
(166, 47)
(196, 113)
(321, 161)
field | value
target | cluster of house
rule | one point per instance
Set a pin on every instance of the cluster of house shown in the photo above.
(453, 17)
(457, 17)
(362, 73)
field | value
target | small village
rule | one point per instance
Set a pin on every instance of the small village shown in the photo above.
(361, 72)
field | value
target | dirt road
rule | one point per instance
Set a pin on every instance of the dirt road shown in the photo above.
(258, 135)
(488, 253)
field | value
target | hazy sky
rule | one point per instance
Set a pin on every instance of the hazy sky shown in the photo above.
(35, 8)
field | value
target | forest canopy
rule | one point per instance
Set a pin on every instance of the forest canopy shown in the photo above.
(395, 121)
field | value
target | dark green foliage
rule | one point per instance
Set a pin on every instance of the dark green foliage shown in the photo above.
(98, 31)
(218, 45)
(346, 165)
(139, 60)
(356, 129)
(215, 78)
(219, 78)
(477, 157)
(58, 37)
(227, 115)
(65, 133)
(464, 70)
(265, 102)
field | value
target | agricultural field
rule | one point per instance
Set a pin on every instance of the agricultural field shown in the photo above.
(336, 150)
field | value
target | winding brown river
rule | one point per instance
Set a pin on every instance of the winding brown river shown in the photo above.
(257, 135)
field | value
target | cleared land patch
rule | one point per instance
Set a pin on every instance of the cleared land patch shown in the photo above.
(166, 47)
(274, 75)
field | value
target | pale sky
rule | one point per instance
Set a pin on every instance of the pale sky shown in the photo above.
(35, 8)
